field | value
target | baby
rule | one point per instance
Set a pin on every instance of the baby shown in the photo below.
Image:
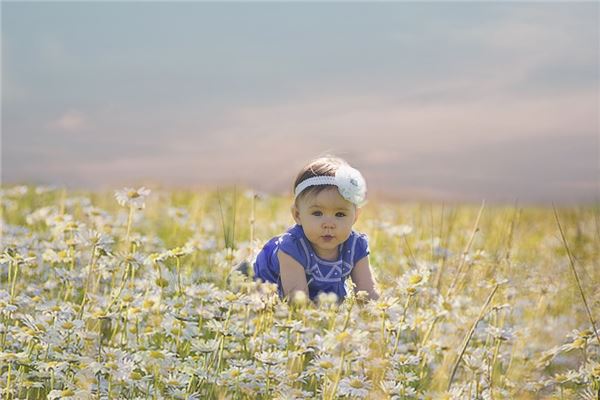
(319, 252)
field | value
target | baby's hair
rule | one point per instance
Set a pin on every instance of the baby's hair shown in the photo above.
(322, 166)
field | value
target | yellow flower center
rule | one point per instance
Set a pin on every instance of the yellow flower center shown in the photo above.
(343, 337)
(67, 325)
(148, 303)
(157, 354)
(356, 383)
(136, 376)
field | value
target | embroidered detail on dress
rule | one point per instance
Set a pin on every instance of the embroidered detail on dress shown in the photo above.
(336, 274)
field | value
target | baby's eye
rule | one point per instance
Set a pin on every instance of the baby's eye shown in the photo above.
(317, 213)
(340, 214)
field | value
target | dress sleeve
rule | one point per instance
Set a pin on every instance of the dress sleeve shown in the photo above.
(293, 247)
(361, 248)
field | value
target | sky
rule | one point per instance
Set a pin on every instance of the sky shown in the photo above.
(446, 101)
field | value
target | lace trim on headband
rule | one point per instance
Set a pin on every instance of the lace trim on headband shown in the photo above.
(315, 181)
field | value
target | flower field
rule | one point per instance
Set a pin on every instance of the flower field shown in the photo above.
(138, 294)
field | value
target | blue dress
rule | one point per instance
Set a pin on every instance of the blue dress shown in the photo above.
(321, 275)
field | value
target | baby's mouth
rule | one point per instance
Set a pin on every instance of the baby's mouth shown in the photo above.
(327, 237)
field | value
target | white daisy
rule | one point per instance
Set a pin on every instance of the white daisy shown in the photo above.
(357, 386)
(132, 197)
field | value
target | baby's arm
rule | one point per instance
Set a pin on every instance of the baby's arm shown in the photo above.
(363, 279)
(292, 273)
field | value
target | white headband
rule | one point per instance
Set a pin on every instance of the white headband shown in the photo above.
(349, 181)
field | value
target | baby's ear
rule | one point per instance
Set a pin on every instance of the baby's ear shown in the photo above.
(295, 214)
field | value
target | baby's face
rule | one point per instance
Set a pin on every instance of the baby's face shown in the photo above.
(327, 220)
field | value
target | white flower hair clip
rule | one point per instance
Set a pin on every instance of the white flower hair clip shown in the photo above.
(349, 181)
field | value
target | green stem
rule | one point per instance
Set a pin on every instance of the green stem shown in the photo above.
(13, 282)
(406, 304)
(572, 265)
(129, 221)
(383, 330)
(491, 372)
(123, 282)
(86, 288)
(347, 320)
(178, 264)
(8, 381)
(338, 376)
(268, 377)
(469, 335)
(464, 254)
(71, 268)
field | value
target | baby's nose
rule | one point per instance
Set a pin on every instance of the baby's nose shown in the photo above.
(329, 223)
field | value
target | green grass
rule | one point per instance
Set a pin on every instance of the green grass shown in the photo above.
(160, 313)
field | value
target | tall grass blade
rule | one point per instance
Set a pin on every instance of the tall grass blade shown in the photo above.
(572, 264)
(470, 334)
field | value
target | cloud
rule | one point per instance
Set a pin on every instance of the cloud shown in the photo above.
(70, 121)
